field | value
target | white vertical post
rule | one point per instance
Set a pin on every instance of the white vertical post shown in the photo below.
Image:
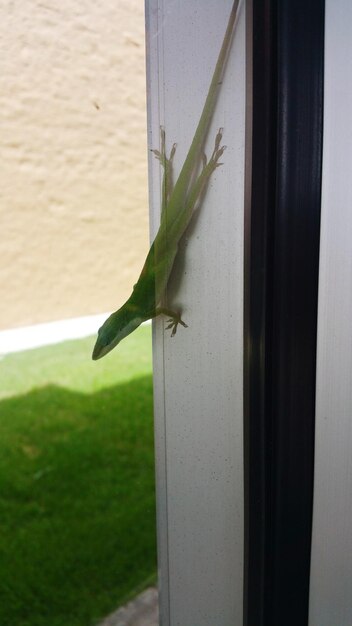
(198, 373)
(331, 568)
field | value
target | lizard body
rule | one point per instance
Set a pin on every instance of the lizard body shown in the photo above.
(178, 204)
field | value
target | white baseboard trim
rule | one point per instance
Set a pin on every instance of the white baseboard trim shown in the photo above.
(28, 337)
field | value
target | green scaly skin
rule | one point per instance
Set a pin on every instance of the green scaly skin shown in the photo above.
(178, 205)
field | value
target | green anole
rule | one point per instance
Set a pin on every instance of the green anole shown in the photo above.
(178, 205)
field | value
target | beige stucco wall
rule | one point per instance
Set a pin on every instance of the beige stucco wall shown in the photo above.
(73, 175)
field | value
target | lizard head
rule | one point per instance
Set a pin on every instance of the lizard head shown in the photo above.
(117, 326)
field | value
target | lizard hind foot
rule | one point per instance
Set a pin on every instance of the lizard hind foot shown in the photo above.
(173, 322)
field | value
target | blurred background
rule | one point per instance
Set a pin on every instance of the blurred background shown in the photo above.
(73, 176)
(77, 501)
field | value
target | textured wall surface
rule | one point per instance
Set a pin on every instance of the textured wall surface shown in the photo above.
(73, 176)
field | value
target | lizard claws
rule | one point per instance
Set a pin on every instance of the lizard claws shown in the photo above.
(173, 323)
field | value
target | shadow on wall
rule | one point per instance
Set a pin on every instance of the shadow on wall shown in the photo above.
(77, 508)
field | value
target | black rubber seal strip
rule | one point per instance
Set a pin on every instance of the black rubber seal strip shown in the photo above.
(281, 290)
(259, 228)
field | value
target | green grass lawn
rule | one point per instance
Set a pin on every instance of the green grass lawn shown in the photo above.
(77, 502)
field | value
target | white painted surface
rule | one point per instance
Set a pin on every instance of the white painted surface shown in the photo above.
(198, 373)
(331, 568)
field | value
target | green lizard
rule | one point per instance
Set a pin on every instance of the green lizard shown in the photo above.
(178, 204)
